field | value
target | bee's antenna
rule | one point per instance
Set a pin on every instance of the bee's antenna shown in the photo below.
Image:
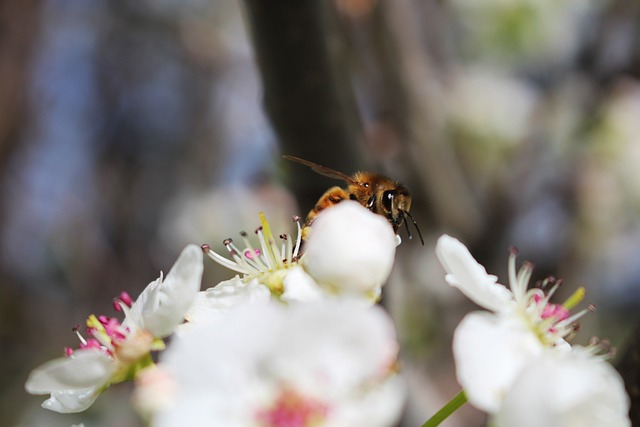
(415, 224)
(406, 226)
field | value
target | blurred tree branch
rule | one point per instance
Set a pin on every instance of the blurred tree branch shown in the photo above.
(18, 30)
(18, 33)
(307, 94)
(418, 79)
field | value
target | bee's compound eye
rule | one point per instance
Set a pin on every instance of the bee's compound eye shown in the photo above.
(387, 199)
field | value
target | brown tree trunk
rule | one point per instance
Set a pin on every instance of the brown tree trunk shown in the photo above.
(307, 94)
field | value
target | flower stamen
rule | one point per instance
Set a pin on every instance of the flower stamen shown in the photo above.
(296, 219)
(254, 253)
(569, 320)
(549, 321)
(575, 298)
(272, 247)
(267, 249)
(270, 259)
(121, 301)
(222, 260)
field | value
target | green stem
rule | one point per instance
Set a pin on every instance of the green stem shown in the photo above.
(457, 401)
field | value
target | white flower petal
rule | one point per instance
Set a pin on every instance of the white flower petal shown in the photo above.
(300, 287)
(380, 407)
(337, 353)
(561, 389)
(84, 369)
(351, 325)
(71, 401)
(466, 274)
(134, 319)
(72, 381)
(217, 301)
(155, 390)
(350, 249)
(490, 351)
(162, 305)
(203, 410)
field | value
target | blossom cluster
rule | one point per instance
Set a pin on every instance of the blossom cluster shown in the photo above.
(295, 339)
(515, 360)
(118, 352)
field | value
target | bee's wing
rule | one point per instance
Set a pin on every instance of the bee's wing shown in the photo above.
(323, 170)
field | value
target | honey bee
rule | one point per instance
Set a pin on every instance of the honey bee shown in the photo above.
(379, 194)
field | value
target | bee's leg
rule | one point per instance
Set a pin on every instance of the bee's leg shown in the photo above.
(331, 197)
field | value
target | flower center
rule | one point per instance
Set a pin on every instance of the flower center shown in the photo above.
(267, 263)
(550, 322)
(135, 347)
(292, 409)
(107, 333)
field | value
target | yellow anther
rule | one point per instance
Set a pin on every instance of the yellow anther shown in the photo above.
(574, 299)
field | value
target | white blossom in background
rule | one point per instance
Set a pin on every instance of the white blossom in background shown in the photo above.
(489, 114)
(525, 31)
(491, 106)
(491, 348)
(305, 365)
(565, 389)
(349, 253)
(609, 176)
(118, 351)
(204, 215)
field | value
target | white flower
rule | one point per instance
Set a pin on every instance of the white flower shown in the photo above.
(318, 364)
(350, 252)
(565, 389)
(492, 107)
(491, 349)
(545, 31)
(118, 351)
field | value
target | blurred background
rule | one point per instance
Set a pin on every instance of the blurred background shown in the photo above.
(131, 128)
